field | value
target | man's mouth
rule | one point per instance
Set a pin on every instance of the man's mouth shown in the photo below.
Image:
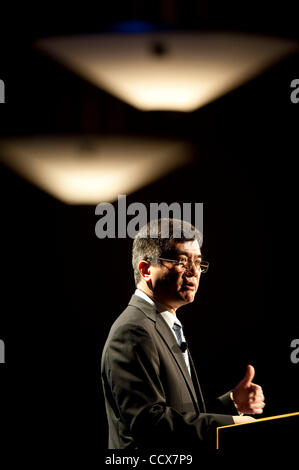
(189, 286)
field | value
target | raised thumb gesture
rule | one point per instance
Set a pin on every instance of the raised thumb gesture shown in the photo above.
(247, 396)
(250, 373)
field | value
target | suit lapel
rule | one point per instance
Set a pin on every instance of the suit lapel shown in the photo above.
(168, 337)
(197, 384)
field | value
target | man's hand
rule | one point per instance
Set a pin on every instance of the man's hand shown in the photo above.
(243, 419)
(248, 397)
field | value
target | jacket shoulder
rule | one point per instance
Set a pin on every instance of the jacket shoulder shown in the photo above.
(131, 318)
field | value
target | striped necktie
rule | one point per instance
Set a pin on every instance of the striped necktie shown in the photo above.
(178, 329)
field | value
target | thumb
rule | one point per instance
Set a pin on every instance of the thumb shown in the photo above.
(248, 375)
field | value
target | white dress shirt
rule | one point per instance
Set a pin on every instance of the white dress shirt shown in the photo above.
(169, 317)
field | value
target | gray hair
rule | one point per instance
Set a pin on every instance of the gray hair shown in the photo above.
(156, 238)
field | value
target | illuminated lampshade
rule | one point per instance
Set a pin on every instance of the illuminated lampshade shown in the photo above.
(168, 71)
(92, 169)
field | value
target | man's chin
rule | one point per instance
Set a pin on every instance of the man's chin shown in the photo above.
(187, 295)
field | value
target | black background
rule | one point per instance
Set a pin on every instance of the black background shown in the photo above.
(62, 287)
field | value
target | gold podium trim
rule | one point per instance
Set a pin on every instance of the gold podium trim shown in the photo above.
(252, 422)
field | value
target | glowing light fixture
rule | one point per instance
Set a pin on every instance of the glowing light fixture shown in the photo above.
(168, 71)
(92, 169)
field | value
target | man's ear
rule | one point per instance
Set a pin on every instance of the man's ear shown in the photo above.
(145, 270)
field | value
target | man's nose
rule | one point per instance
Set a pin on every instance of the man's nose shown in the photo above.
(192, 269)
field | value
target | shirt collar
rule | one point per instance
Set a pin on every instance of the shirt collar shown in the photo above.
(144, 296)
(169, 317)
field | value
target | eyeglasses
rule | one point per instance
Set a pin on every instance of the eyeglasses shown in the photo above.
(187, 264)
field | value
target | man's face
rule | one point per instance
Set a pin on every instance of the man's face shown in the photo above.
(172, 285)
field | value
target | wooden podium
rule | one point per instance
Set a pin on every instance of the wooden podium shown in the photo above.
(276, 432)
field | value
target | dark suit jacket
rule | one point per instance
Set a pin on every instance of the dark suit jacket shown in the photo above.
(151, 400)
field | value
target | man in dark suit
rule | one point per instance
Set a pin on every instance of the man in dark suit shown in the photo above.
(152, 394)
